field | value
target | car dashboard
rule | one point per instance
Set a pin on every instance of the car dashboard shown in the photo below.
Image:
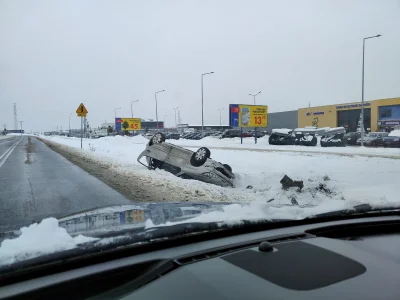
(342, 259)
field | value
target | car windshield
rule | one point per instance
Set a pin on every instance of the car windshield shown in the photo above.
(119, 118)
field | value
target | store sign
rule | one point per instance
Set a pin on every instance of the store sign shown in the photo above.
(253, 115)
(315, 113)
(388, 123)
(355, 105)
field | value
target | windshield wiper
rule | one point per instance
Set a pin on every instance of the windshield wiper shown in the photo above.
(362, 209)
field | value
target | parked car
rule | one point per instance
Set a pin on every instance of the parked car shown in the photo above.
(333, 137)
(305, 136)
(196, 136)
(188, 136)
(392, 140)
(351, 138)
(230, 133)
(173, 136)
(373, 139)
(299, 136)
(259, 134)
(281, 137)
(185, 163)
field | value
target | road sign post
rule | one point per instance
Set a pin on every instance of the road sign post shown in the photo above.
(81, 111)
(81, 131)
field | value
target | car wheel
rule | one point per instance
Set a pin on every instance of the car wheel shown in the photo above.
(200, 157)
(228, 167)
(158, 138)
(323, 144)
(373, 144)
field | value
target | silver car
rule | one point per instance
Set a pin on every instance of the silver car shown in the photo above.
(185, 163)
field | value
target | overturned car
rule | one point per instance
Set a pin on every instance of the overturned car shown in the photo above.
(185, 163)
(299, 136)
(333, 137)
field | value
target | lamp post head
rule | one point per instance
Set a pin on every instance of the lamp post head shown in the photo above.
(378, 35)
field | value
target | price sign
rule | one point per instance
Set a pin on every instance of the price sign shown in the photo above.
(128, 124)
(253, 115)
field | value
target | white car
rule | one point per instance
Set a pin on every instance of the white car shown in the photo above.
(185, 163)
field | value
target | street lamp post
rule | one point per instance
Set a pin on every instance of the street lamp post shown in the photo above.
(21, 125)
(131, 106)
(155, 95)
(164, 120)
(220, 122)
(254, 96)
(202, 103)
(255, 128)
(362, 92)
(115, 111)
(175, 109)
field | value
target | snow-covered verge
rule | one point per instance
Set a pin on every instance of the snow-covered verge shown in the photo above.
(39, 239)
(326, 177)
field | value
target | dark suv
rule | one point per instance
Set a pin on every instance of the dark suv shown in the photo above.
(230, 133)
(351, 138)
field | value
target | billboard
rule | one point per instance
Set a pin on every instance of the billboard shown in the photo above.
(243, 115)
(253, 115)
(130, 124)
(234, 115)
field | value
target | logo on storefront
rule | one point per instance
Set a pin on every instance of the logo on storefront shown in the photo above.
(357, 105)
(388, 123)
(316, 113)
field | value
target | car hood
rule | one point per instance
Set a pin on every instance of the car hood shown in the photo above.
(110, 220)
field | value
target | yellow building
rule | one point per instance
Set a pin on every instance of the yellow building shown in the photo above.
(379, 115)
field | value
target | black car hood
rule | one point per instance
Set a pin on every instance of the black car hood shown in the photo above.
(389, 138)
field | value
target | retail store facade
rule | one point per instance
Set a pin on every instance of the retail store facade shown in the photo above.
(379, 115)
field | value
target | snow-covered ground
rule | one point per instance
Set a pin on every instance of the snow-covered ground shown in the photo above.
(354, 176)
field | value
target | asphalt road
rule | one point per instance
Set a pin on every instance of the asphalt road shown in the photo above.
(36, 182)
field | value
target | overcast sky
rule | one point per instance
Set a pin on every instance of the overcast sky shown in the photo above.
(56, 54)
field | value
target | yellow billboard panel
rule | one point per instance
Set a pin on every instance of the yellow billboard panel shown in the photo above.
(131, 124)
(253, 115)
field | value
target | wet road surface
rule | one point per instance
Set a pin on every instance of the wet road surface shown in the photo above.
(36, 182)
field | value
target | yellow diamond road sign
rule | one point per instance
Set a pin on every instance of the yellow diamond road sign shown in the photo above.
(81, 111)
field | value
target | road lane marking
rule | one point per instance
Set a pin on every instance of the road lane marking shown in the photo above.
(4, 157)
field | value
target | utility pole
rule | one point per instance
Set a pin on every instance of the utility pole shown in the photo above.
(220, 122)
(69, 125)
(155, 96)
(202, 103)
(175, 109)
(131, 106)
(15, 117)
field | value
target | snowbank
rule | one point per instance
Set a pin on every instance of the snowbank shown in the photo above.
(39, 239)
(361, 178)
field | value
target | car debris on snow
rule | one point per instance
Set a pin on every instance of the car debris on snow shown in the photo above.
(287, 182)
